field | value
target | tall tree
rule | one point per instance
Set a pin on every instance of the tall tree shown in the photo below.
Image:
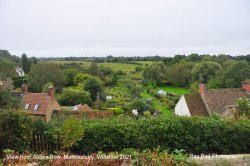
(155, 72)
(94, 87)
(25, 64)
(205, 71)
(43, 73)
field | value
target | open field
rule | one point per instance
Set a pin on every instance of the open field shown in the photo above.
(173, 89)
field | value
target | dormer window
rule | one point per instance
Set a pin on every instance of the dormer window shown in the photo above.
(36, 107)
(26, 106)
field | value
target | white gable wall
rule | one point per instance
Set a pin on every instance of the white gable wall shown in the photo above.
(181, 108)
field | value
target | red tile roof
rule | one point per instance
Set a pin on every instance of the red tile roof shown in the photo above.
(42, 99)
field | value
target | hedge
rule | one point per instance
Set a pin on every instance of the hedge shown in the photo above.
(196, 135)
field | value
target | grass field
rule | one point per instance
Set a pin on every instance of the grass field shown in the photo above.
(175, 90)
(125, 67)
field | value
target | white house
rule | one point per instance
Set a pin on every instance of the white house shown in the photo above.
(181, 108)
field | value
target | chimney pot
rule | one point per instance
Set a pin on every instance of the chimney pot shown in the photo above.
(24, 88)
(202, 89)
(51, 92)
(246, 86)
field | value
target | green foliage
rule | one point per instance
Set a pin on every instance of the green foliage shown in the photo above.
(204, 71)
(146, 113)
(7, 67)
(155, 72)
(116, 111)
(42, 73)
(68, 130)
(243, 106)
(81, 78)
(8, 100)
(195, 134)
(15, 130)
(234, 74)
(179, 156)
(137, 104)
(93, 86)
(180, 74)
(70, 74)
(70, 97)
(71, 131)
(25, 64)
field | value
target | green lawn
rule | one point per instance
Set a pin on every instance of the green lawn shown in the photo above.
(173, 89)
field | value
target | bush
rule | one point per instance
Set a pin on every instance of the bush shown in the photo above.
(72, 96)
(146, 113)
(15, 130)
(116, 111)
(194, 134)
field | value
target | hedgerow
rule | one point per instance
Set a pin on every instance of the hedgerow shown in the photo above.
(194, 134)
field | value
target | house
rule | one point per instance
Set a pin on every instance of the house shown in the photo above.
(209, 101)
(162, 92)
(20, 71)
(39, 105)
(6, 83)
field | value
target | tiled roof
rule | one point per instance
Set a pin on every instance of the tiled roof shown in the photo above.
(218, 99)
(42, 99)
(195, 104)
(85, 108)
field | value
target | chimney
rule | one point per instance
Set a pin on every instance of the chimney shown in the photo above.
(202, 89)
(51, 92)
(24, 88)
(246, 86)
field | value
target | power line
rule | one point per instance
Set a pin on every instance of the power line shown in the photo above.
(106, 17)
(157, 41)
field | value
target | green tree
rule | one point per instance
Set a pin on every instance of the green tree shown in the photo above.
(15, 130)
(233, 74)
(205, 71)
(7, 67)
(243, 106)
(25, 64)
(72, 96)
(94, 69)
(70, 73)
(137, 104)
(42, 73)
(180, 74)
(81, 78)
(94, 87)
(155, 72)
(8, 100)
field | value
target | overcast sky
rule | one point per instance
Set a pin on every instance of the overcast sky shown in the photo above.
(45, 28)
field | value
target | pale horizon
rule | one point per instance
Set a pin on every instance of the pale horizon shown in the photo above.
(87, 28)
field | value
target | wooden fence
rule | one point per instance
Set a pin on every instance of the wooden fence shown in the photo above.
(42, 143)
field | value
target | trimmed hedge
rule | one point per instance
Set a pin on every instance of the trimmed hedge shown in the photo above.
(194, 134)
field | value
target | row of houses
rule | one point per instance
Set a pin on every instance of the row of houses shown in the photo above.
(209, 101)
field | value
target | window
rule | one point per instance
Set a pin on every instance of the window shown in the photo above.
(36, 107)
(26, 106)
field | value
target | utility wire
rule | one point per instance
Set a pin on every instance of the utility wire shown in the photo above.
(157, 41)
(105, 19)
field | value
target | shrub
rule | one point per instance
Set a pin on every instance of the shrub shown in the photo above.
(15, 130)
(72, 96)
(194, 134)
(146, 113)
